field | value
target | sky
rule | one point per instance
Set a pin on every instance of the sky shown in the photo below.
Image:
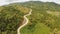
(5, 2)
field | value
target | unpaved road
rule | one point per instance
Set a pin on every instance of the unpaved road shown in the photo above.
(25, 22)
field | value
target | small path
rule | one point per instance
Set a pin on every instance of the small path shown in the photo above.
(25, 22)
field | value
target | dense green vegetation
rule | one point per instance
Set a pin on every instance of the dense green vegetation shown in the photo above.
(45, 18)
(10, 18)
(41, 22)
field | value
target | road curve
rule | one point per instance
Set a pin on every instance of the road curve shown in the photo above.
(25, 22)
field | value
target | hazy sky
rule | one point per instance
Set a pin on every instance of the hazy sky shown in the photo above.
(3, 2)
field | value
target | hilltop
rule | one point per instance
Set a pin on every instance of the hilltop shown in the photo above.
(45, 18)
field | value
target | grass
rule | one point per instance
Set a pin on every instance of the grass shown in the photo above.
(38, 29)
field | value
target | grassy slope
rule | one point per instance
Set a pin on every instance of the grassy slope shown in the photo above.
(38, 29)
(42, 22)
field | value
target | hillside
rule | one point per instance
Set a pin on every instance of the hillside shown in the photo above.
(45, 18)
(11, 17)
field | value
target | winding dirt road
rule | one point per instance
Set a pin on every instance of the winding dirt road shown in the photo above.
(25, 22)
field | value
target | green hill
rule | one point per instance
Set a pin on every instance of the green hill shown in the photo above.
(11, 17)
(45, 18)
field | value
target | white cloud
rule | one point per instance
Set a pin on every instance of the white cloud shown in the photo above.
(17, 0)
(4, 2)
